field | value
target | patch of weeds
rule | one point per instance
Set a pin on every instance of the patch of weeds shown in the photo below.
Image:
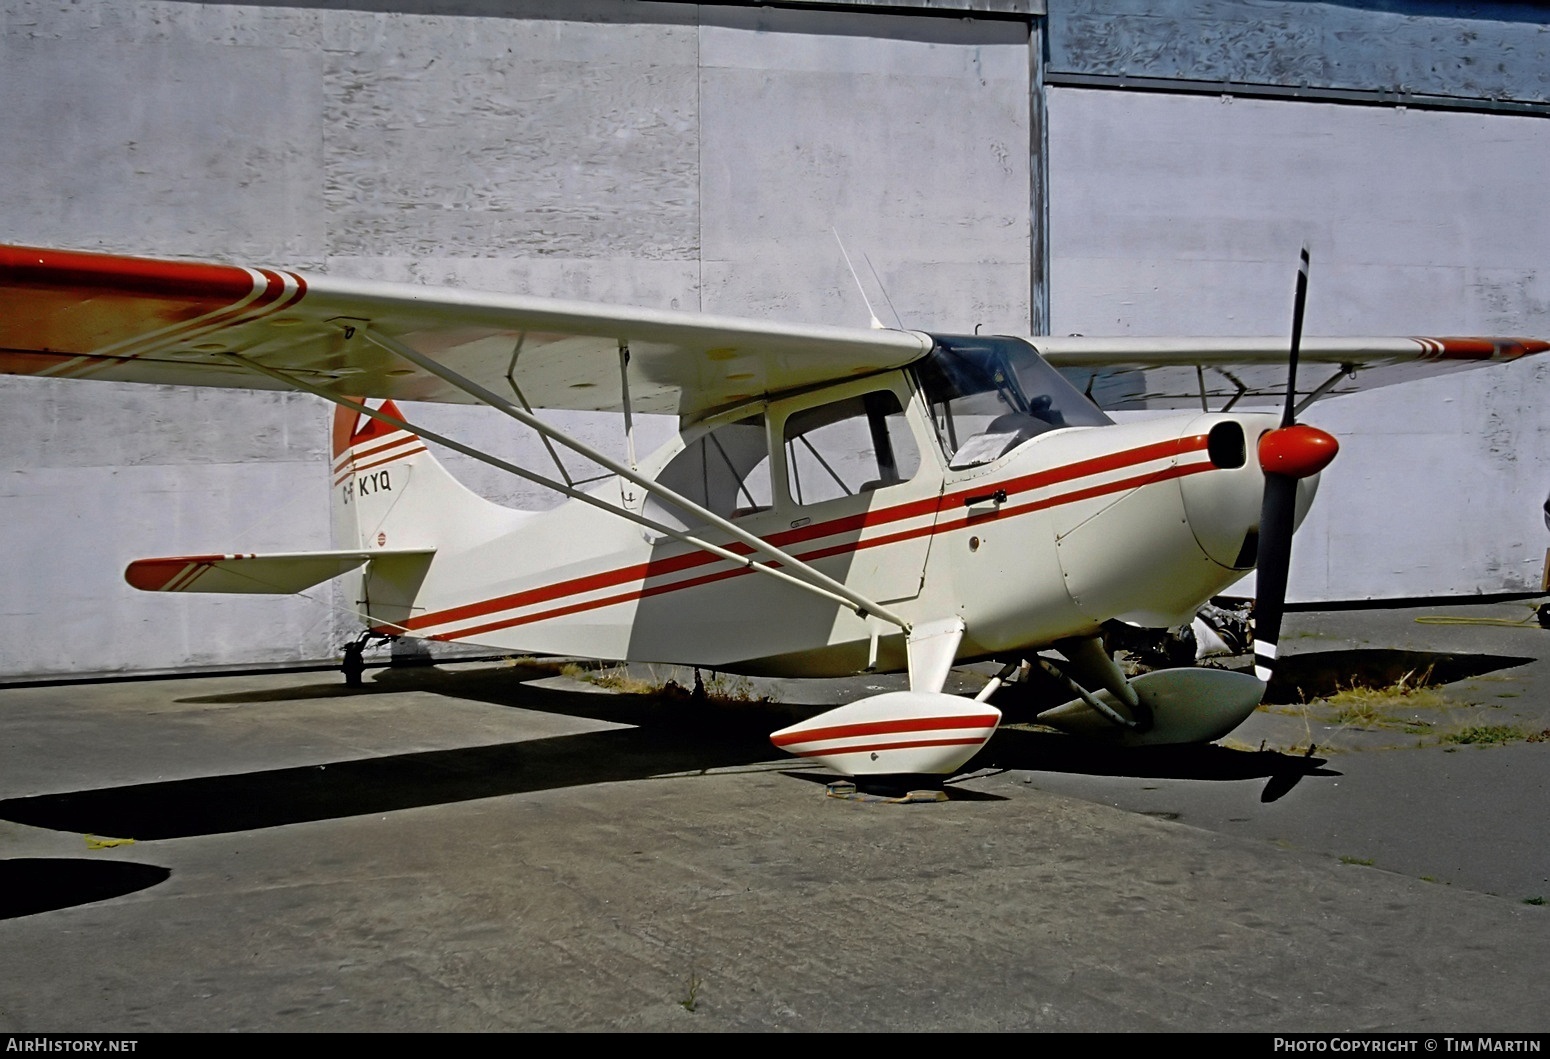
(721, 688)
(620, 679)
(1536, 900)
(1371, 707)
(691, 997)
(543, 665)
(614, 678)
(1365, 862)
(727, 689)
(1488, 735)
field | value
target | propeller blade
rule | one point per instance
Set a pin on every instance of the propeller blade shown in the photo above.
(1286, 455)
(1299, 301)
(1277, 515)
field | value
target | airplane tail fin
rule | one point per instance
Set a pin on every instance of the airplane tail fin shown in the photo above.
(393, 499)
(368, 455)
(394, 509)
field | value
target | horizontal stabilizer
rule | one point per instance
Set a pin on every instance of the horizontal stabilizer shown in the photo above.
(280, 573)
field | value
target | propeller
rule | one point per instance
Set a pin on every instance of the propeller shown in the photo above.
(1287, 455)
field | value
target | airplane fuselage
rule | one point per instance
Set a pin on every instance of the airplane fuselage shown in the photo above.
(874, 483)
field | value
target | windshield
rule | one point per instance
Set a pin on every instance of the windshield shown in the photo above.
(990, 393)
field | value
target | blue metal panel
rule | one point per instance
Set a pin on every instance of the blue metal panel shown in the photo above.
(1474, 51)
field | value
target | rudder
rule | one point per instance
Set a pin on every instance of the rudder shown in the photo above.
(389, 492)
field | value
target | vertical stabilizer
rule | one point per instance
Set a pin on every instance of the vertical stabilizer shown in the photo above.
(373, 464)
(390, 492)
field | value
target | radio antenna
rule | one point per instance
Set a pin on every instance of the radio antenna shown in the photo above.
(877, 325)
(896, 317)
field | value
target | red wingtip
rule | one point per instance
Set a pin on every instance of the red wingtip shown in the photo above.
(1461, 348)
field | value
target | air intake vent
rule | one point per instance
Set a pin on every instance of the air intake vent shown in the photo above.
(1225, 445)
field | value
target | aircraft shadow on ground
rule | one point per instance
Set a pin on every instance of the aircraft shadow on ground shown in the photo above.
(1319, 674)
(1035, 751)
(895, 788)
(29, 885)
(669, 735)
(511, 686)
(275, 797)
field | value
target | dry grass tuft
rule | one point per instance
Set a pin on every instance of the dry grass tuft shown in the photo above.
(721, 688)
(1373, 707)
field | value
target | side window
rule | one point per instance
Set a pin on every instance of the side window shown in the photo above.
(726, 470)
(848, 447)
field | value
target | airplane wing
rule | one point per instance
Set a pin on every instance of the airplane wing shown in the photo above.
(1127, 373)
(70, 314)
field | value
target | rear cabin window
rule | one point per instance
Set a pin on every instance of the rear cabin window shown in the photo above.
(848, 447)
(726, 470)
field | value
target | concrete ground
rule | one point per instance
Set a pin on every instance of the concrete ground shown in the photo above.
(494, 847)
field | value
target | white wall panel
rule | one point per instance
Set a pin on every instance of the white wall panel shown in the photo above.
(73, 517)
(1183, 215)
(907, 136)
(651, 154)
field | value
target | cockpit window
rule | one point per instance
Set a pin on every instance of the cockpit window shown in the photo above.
(848, 447)
(989, 394)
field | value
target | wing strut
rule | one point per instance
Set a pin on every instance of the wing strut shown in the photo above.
(839, 594)
(1324, 387)
(629, 418)
(511, 379)
(813, 578)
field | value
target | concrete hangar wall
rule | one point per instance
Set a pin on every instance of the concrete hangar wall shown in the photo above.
(1194, 145)
(696, 156)
(669, 155)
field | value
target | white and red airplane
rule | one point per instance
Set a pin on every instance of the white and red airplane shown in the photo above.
(837, 500)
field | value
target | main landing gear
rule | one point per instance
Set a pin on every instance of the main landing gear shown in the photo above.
(353, 665)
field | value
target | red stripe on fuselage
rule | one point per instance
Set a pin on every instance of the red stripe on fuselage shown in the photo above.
(344, 462)
(807, 557)
(394, 458)
(930, 506)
